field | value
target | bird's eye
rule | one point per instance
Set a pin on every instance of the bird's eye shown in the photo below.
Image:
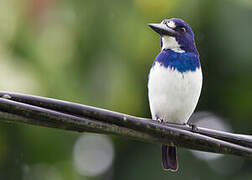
(183, 29)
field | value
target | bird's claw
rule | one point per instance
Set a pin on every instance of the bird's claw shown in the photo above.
(160, 120)
(194, 127)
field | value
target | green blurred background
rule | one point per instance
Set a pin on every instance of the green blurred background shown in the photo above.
(99, 53)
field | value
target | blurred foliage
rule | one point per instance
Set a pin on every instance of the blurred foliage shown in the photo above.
(99, 53)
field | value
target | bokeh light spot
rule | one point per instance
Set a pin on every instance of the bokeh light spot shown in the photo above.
(211, 121)
(222, 164)
(93, 154)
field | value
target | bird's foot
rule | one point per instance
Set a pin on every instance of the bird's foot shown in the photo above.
(193, 126)
(160, 120)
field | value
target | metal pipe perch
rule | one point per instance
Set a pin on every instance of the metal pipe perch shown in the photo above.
(35, 110)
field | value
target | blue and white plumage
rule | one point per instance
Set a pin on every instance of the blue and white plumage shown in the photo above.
(175, 79)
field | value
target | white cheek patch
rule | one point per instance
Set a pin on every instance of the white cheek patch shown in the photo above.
(171, 24)
(171, 43)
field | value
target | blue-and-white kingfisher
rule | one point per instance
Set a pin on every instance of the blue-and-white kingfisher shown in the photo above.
(175, 80)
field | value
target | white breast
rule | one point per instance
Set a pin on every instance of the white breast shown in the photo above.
(173, 96)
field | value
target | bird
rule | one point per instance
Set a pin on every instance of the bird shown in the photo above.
(175, 80)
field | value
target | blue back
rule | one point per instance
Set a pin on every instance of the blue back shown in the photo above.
(183, 62)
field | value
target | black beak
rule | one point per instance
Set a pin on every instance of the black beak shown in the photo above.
(162, 29)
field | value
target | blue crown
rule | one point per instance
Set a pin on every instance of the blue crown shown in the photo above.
(178, 29)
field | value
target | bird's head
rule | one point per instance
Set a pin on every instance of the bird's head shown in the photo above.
(176, 35)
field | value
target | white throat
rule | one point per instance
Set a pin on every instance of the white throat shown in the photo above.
(171, 43)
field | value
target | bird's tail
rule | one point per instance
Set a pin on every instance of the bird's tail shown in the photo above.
(169, 158)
